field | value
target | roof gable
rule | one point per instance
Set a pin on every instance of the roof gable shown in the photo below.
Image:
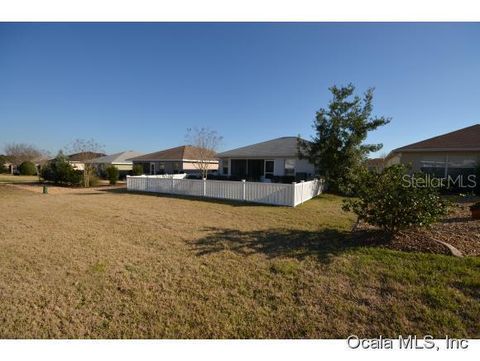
(463, 139)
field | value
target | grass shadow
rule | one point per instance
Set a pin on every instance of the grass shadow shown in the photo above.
(233, 203)
(323, 244)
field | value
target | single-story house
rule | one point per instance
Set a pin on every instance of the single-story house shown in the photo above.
(120, 160)
(78, 160)
(274, 159)
(453, 153)
(376, 164)
(183, 159)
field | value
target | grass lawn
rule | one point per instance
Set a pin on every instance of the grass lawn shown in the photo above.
(108, 264)
(8, 178)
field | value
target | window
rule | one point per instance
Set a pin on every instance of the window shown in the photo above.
(269, 165)
(289, 167)
(225, 167)
(161, 168)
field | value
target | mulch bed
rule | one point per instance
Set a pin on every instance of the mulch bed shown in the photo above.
(458, 229)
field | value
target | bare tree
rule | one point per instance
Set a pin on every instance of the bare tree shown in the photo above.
(85, 150)
(19, 153)
(206, 142)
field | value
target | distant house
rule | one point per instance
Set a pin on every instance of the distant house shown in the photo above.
(78, 160)
(376, 164)
(183, 159)
(453, 153)
(274, 159)
(120, 160)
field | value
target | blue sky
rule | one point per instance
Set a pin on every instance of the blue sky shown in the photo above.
(139, 86)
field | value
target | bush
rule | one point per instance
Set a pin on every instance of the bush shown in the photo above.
(112, 174)
(394, 200)
(93, 180)
(27, 168)
(137, 169)
(59, 171)
(3, 168)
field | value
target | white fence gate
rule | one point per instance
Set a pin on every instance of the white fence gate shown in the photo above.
(266, 193)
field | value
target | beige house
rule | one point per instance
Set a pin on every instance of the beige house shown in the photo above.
(78, 160)
(120, 160)
(454, 153)
(183, 159)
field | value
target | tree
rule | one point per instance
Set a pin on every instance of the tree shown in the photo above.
(337, 150)
(60, 171)
(3, 161)
(19, 153)
(137, 169)
(394, 199)
(206, 142)
(27, 168)
(85, 150)
(112, 173)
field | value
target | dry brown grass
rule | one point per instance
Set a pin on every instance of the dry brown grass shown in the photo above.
(107, 264)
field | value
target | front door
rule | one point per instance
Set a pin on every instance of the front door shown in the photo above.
(152, 168)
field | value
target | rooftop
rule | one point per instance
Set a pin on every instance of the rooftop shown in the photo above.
(279, 147)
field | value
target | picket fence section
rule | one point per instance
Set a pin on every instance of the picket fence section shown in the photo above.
(266, 193)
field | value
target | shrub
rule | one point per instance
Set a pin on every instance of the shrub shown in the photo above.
(93, 180)
(27, 168)
(394, 200)
(59, 171)
(3, 168)
(112, 174)
(137, 169)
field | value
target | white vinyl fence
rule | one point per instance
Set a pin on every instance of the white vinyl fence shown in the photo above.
(267, 193)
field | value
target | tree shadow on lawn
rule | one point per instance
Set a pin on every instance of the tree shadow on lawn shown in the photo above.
(322, 244)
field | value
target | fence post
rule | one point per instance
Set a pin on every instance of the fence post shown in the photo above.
(127, 181)
(204, 187)
(243, 190)
(301, 195)
(294, 190)
(172, 185)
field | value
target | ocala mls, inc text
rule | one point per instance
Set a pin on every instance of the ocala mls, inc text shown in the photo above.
(407, 343)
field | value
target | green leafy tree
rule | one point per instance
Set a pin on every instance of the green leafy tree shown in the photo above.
(338, 148)
(27, 168)
(59, 171)
(112, 174)
(394, 199)
(137, 169)
(3, 161)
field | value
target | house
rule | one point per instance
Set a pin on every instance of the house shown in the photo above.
(120, 160)
(273, 160)
(182, 159)
(78, 160)
(455, 153)
(376, 164)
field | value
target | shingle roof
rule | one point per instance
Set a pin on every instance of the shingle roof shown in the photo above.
(184, 152)
(463, 139)
(279, 147)
(122, 157)
(84, 156)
